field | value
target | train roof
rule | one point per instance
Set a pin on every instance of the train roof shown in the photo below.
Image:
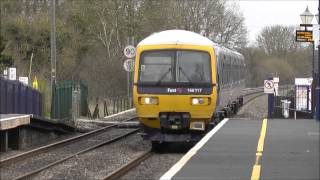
(176, 37)
(182, 37)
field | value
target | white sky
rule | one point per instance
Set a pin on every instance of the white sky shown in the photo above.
(259, 13)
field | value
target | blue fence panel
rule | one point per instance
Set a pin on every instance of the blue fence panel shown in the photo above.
(3, 96)
(23, 100)
(9, 98)
(17, 98)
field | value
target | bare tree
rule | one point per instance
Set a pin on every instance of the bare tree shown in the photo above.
(277, 40)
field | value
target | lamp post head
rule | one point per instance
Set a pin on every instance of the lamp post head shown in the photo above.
(306, 16)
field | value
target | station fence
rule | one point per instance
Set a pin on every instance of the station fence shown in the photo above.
(62, 105)
(18, 98)
(289, 93)
(107, 106)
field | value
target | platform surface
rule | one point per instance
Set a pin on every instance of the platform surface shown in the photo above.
(291, 151)
(9, 121)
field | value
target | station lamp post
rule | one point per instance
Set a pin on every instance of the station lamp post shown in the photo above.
(306, 18)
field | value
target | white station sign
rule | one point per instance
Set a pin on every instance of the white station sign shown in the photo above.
(128, 65)
(129, 51)
(276, 81)
(12, 73)
(24, 80)
(268, 86)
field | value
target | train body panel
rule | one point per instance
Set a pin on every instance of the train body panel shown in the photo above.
(181, 79)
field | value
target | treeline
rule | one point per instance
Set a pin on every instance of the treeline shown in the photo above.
(276, 53)
(91, 35)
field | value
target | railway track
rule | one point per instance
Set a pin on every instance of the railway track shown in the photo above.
(253, 95)
(52, 146)
(250, 95)
(78, 142)
(130, 165)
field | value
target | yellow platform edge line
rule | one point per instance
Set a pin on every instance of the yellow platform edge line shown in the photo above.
(256, 172)
(257, 168)
(262, 136)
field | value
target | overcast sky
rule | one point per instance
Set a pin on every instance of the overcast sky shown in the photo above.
(259, 13)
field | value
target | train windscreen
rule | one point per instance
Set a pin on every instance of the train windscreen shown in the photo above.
(175, 66)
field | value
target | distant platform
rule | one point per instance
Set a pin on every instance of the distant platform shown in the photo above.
(233, 150)
(9, 121)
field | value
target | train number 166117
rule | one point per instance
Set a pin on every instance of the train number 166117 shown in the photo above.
(194, 90)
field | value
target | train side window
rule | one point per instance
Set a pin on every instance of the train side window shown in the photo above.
(223, 73)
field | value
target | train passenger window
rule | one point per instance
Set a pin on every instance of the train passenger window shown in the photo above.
(157, 65)
(223, 73)
(193, 66)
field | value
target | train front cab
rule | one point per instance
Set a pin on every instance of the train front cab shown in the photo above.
(171, 111)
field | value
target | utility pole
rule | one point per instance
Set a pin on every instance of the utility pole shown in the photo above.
(130, 41)
(318, 84)
(53, 43)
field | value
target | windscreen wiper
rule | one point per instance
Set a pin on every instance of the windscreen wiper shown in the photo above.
(185, 75)
(163, 76)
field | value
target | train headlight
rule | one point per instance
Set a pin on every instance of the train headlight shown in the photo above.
(200, 101)
(195, 101)
(149, 100)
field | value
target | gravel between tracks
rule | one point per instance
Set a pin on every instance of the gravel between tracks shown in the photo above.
(255, 109)
(84, 126)
(154, 167)
(98, 163)
(158, 164)
(35, 162)
(102, 161)
(10, 153)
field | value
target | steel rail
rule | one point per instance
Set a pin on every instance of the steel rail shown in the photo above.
(130, 165)
(30, 174)
(48, 147)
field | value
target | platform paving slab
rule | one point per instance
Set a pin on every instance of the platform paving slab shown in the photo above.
(291, 150)
(229, 154)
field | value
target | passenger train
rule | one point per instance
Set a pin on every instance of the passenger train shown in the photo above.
(183, 83)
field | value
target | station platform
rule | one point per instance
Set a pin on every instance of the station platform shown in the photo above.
(9, 121)
(253, 149)
(19, 131)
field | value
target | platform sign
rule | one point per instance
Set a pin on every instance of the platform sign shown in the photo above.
(304, 36)
(268, 86)
(128, 65)
(276, 85)
(12, 73)
(5, 73)
(129, 51)
(24, 80)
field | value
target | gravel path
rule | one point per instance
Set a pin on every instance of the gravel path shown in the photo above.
(29, 164)
(98, 163)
